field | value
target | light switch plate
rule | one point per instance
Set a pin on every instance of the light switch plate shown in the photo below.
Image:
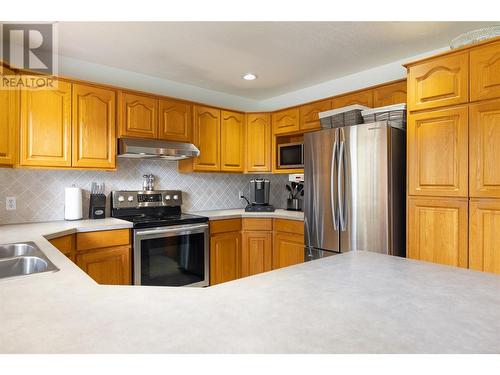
(10, 203)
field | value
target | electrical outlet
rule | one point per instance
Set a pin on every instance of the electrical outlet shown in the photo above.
(10, 203)
(240, 194)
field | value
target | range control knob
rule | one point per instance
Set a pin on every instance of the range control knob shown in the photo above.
(167, 197)
(130, 198)
(121, 198)
(176, 197)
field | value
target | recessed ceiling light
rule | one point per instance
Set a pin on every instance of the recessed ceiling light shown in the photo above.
(249, 77)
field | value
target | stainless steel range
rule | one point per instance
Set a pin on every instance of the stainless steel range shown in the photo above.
(170, 248)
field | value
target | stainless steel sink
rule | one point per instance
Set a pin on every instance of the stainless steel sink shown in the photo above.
(21, 259)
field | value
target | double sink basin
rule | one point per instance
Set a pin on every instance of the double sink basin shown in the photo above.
(21, 259)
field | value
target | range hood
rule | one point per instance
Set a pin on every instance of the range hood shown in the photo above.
(155, 149)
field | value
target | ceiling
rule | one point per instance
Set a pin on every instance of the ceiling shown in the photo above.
(286, 56)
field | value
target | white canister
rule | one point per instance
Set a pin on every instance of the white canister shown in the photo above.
(73, 203)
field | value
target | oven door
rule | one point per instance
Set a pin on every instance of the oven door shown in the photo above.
(172, 256)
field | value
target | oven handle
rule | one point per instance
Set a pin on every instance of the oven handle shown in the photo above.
(180, 228)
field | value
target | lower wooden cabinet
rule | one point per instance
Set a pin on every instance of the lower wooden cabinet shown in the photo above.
(288, 249)
(225, 257)
(257, 239)
(484, 235)
(437, 230)
(109, 265)
(104, 255)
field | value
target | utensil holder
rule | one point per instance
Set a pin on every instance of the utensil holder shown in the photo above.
(294, 204)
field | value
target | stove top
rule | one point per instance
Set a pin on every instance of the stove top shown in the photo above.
(150, 209)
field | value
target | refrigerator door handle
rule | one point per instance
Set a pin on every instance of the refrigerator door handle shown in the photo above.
(332, 185)
(341, 187)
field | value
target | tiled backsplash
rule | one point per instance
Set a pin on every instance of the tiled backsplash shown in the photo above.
(40, 193)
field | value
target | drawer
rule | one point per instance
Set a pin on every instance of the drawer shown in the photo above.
(104, 238)
(439, 82)
(227, 225)
(64, 244)
(257, 224)
(289, 226)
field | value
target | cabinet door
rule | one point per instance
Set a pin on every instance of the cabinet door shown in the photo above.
(288, 249)
(437, 153)
(257, 252)
(485, 72)
(394, 93)
(176, 121)
(94, 143)
(225, 257)
(286, 121)
(206, 136)
(309, 119)
(362, 98)
(484, 149)
(138, 115)
(437, 230)
(108, 265)
(258, 142)
(9, 109)
(45, 132)
(439, 82)
(232, 156)
(484, 235)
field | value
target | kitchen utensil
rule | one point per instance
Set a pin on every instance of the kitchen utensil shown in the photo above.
(97, 206)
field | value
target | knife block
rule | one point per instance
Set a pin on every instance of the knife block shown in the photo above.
(97, 207)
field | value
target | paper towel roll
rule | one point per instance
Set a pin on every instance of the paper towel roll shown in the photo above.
(73, 203)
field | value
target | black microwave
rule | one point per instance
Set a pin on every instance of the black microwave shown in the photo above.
(291, 155)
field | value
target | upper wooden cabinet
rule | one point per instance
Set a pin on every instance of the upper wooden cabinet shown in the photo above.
(9, 117)
(361, 97)
(94, 141)
(437, 230)
(137, 115)
(206, 136)
(309, 119)
(175, 121)
(45, 129)
(484, 235)
(389, 94)
(484, 149)
(439, 82)
(485, 72)
(286, 121)
(258, 142)
(437, 153)
(232, 154)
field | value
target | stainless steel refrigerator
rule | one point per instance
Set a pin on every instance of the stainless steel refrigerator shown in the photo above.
(355, 190)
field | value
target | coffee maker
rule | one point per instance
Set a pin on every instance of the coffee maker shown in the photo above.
(259, 196)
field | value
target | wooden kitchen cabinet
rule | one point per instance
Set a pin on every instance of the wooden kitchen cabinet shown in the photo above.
(309, 119)
(232, 154)
(105, 256)
(93, 118)
(394, 93)
(137, 115)
(439, 82)
(288, 243)
(257, 242)
(9, 117)
(484, 235)
(438, 153)
(225, 250)
(258, 142)
(485, 72)
(109, 265)
(484, 149)
(361, 97)
(45, 127)
(286, 121)
(175, 121)
(437, 230)
(66, 245)
(206, 136)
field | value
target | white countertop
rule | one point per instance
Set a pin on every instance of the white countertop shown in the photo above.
(357, 302)
(279, 213)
